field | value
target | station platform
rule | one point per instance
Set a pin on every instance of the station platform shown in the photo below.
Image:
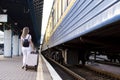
(11, 69)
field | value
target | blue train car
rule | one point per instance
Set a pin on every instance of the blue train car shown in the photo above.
(78, 28)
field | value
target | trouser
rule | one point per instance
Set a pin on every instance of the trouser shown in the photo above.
(26, 52)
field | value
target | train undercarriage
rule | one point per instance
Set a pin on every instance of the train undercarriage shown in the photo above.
(104, 41)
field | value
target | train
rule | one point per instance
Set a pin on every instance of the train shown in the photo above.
(77, 29)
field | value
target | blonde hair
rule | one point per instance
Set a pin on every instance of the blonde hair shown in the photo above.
(25, 31)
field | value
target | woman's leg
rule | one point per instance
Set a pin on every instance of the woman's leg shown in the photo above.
(24, 51)
(28, 51)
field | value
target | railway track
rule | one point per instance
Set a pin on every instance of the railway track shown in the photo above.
(108, 63)
(86, 72)
(67, 72)
(90, 73)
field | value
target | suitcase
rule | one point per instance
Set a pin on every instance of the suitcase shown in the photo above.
(32, 61)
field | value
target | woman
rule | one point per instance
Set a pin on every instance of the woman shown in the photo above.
(26, 49)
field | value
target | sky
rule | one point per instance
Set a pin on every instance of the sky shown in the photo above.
(46, 11)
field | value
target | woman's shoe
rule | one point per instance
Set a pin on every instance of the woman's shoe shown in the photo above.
(22, 67)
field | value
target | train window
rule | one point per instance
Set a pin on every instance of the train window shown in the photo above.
(56, 14)
(62, 7)
(59, 8)
(69, 1)
(65, 4)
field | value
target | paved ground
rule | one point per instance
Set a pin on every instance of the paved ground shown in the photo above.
(10, 69)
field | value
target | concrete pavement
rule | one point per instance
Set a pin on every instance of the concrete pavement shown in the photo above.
(10, 69)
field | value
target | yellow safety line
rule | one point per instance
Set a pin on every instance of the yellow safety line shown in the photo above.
(40, 70)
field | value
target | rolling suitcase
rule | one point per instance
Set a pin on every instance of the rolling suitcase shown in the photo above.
(32, 61)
